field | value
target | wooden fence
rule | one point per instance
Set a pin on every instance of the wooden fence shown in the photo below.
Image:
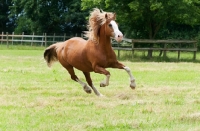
(159, 45)
(134, 44)
(43, 40)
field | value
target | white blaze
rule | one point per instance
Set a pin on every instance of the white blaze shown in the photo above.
(117, 33)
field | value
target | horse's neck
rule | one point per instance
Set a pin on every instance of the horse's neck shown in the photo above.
(107, 50)
(105, 43)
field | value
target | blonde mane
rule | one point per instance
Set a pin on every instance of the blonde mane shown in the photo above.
(96, 20)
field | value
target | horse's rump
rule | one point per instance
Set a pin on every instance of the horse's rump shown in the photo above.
(66, 52)
(50, 54)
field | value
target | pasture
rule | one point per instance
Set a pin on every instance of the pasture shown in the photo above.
(34, 97)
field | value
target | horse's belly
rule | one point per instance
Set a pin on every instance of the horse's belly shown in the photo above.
(80, 64)
(84, 69)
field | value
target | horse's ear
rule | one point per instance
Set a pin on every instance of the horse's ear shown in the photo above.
(106, 16)
(114, 16)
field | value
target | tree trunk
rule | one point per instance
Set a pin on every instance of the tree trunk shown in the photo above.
(153, 30)
(150, 52)
(160, 53)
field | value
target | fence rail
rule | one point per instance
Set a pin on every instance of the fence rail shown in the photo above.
(134, 44)
(159, 45)
(44, 39)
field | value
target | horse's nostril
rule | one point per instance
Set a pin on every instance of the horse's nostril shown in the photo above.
(120, 35)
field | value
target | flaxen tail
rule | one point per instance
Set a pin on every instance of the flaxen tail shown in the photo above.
(50, 53)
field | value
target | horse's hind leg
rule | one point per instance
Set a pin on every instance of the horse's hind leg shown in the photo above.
(86, 88)
(89, 81)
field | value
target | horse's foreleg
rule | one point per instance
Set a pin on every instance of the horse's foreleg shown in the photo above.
(127, 69)
(105, 82)
(101, 70)
(132, 79)
(89, 81)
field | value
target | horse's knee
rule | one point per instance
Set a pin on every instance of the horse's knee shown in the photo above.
(74, 77)
(127, 69)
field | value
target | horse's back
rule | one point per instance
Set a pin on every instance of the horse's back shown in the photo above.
(75, 41)
(71, 44)
(75, 44)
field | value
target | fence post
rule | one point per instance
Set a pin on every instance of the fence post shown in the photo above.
(64, 37)
(2, 38)
(133, 46)
(179, 52)
(32, 39)
(22, 37)
(54, 38)
(7, 39)
(12, 37)
(42, 39)
(118, 50)
(45, 39)
(165, 52)
(195, 52)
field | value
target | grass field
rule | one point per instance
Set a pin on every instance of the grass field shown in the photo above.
(34, 97)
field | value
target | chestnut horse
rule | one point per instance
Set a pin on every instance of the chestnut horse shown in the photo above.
(95, 54)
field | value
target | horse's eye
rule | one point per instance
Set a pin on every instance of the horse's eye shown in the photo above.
(110, 25)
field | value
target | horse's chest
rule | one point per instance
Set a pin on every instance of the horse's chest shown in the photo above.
(108, 60)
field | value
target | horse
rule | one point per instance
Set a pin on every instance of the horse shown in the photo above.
(91, 55)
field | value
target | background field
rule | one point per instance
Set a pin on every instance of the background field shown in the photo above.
(35, 97)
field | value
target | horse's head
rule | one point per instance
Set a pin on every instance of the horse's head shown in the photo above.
(105, 21)
(111, 27)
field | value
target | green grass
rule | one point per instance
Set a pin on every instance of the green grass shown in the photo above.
(34, 97)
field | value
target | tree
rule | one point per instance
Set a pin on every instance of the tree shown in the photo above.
(51, 16)
(145, 18)
(6, 24)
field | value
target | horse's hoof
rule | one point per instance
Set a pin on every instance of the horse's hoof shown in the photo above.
(102, 85)
(133, 85)
(87, 89)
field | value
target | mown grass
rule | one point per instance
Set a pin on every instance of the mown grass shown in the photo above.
(35, 97)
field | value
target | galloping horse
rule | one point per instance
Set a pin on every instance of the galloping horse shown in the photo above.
(95, 54)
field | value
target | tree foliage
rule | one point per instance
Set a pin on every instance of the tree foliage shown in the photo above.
(137, 18)
(52, 16)
(145, 18)
(6, 24)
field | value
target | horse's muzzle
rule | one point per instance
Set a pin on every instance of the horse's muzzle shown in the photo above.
(119, 38)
